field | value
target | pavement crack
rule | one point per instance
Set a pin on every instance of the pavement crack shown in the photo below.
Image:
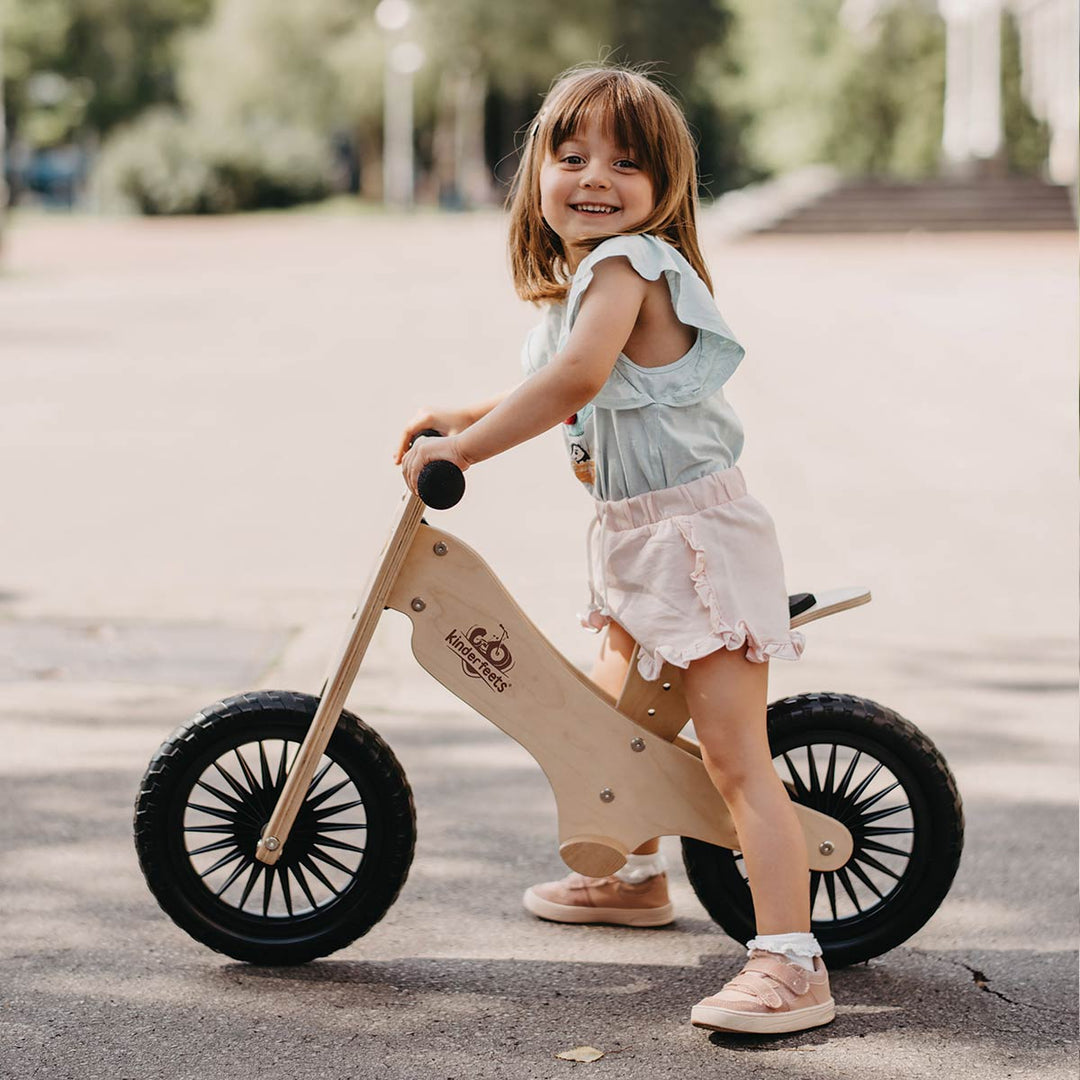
(982, 981)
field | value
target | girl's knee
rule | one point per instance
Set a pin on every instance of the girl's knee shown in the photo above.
(731, 773)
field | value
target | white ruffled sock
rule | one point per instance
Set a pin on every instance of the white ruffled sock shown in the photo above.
(640, 868)
(798, 948)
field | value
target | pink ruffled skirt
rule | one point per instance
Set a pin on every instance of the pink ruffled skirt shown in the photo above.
(689, 570)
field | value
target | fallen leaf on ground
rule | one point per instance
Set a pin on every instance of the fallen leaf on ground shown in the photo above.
(581, 1053)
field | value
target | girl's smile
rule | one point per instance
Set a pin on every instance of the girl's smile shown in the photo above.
(590, 187)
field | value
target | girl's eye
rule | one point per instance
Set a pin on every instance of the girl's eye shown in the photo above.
(573, 159)
(626, 163)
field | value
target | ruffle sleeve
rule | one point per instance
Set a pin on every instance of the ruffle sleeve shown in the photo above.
(541, 343)
(697, 375)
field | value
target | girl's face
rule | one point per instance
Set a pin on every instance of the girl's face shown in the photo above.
(592, 187)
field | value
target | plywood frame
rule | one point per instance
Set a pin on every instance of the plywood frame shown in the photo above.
(620, 776)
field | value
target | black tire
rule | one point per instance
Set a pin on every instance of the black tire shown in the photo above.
(862, 763)
(206, 796)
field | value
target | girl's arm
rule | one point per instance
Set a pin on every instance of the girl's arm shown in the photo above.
(448, 421)
(609, 310)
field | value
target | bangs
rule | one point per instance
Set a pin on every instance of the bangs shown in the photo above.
(625, 110)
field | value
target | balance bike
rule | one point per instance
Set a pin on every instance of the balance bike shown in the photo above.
(277, 827)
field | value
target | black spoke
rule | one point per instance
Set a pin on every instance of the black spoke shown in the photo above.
(800, 787)
(871, 861)
(268, 885)
(861, 874)
(281, 772)
(815, 882)
(256, 869)
(877, 815)
(846, 882)
(245, 768)
(848, 774)
(210, 828)
(316, 780)
(873, 845)
(867, 803)
(226, 815)
(306, 860)
(228, 800)
(326, 841)
(329, 811)
(328, 793)
(815, 783)
(283, 877)
(830, 775)
(318, 853)
(233, 782)
(232, 877)
(264, 768)
(866, 781)
(886, 830)
(325, 827)
(830, 888)
(299, 874)
(230, 842)
(235, 854)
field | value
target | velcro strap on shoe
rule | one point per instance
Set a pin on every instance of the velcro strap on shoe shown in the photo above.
(756, 984)
(790, 975)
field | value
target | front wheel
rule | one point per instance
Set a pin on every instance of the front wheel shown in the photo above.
(210, 790)
(886, 781)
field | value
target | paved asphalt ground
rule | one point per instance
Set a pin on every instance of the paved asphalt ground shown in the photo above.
(196, 422)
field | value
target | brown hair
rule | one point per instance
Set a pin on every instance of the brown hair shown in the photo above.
(641, 115)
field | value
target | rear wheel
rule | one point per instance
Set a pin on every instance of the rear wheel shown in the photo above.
(210, 790)
(878, 774)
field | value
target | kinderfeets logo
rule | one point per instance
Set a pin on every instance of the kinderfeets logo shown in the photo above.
(483, 657)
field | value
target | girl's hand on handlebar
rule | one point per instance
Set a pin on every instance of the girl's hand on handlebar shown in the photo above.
(425, 449)
(450, 421)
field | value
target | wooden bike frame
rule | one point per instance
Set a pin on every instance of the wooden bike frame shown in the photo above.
(620, 771)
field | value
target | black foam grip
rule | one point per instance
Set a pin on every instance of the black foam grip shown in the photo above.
(440, 484)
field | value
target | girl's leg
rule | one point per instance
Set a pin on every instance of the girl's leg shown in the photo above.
(727, 696)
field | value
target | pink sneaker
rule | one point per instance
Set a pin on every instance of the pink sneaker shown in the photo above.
(580, 899)
(770, 995)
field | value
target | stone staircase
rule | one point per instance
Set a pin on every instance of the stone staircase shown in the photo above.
(989, 204)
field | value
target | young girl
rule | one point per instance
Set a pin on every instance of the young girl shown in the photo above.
(633, 351)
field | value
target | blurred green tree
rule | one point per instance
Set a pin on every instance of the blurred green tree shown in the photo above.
(105, 61)
(1027, 139)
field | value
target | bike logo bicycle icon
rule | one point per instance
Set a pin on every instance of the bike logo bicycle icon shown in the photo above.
(482, 656)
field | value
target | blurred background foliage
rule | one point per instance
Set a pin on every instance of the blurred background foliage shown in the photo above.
(200, 106)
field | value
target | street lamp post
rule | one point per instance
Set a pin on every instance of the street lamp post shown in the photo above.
(403, 60)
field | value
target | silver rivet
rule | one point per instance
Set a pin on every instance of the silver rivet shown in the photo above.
(637, 745)
(607, 795)
(826, 847)
(271, 843)
(417, 604)
(440, 548)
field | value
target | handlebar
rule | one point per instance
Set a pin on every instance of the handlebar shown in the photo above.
(440, 484)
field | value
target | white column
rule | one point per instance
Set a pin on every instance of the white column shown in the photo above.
(1049, 30)
(972, 123)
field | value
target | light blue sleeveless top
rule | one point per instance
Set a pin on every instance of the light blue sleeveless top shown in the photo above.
(649, 427)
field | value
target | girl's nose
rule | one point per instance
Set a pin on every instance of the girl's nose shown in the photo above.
(595, 178)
